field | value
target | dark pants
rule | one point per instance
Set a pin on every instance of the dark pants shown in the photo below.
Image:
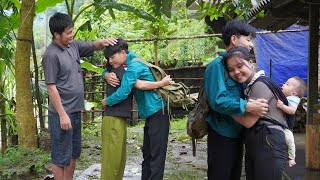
(266, 153)
(155, 143)
(224, 157)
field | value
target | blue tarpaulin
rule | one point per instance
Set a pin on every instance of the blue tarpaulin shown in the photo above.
(287, 51)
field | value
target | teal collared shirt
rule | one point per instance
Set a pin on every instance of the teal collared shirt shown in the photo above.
(148, 101)
(225, 98)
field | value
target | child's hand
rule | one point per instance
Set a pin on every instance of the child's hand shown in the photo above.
(280, 104)
(291, 162)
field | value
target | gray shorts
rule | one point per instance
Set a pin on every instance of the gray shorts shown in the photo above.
(65, 145)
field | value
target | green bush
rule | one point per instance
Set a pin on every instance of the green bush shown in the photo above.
(21, 162)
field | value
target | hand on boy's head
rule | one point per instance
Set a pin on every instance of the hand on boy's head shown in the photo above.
(109, 41)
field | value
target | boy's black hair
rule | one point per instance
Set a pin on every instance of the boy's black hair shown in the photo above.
(240, 52)
(237, 28)
(59, 22)
(111, 50)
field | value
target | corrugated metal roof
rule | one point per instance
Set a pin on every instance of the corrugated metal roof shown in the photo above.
(280, 14)
(257, 9)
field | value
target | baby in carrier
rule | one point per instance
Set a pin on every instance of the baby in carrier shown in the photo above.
(293, 89)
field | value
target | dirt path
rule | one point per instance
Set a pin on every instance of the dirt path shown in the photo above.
(180, 164)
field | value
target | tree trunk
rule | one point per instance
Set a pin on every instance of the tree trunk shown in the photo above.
(26, 123)
(4, 141)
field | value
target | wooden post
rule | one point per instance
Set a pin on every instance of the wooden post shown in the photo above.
(155, 46)
(313, 146)
(134, 113)
(313, 60)
(313, 123)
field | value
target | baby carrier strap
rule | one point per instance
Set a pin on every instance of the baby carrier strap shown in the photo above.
(279, 96)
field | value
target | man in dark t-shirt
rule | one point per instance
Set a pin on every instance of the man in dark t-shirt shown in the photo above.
(64, 80)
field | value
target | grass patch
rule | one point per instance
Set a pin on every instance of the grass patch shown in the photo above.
(34, 164)
(179, 123)
(23, 163)
(91, 145)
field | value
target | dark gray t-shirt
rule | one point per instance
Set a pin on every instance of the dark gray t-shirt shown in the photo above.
(62, 67)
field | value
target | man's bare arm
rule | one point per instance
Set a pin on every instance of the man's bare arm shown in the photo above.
(100, 44)
(54, 96)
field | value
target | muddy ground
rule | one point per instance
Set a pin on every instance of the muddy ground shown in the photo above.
(180, 163)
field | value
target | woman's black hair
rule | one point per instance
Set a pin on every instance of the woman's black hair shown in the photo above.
(240, 52)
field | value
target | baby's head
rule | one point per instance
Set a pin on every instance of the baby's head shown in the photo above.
(294, 86)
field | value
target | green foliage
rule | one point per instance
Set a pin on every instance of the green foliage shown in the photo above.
(175, 124)
(132, 27)
(91, 67)
(219, 8)
(42, 5)
(7, 83)
(140, 124)
(89, 105)
(10, 4)
(123, 7)
(42, 89)
(18, 162)
(161, 7)
(178, 123)
(8, 21)
(93, 128)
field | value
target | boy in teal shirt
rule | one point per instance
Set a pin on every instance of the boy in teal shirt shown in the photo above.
(150, 107)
